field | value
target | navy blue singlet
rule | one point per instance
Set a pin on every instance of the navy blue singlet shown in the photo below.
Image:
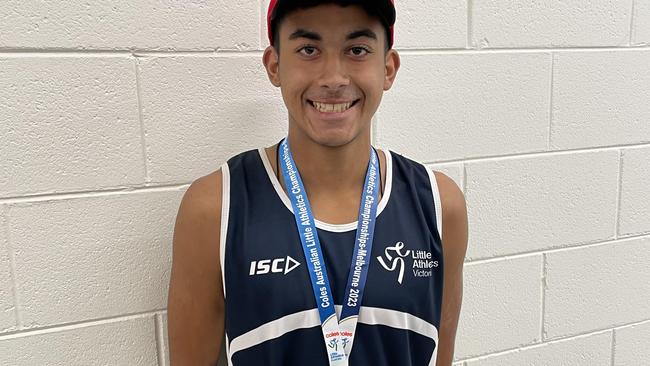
(271, 316)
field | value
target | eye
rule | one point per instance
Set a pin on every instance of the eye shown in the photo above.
(310, 50)
(360, 51)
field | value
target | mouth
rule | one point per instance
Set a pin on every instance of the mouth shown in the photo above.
(333, 108)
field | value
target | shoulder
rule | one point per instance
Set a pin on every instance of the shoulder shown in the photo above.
(199, 218)
(203, 197)
(454, 214)
(451, 196)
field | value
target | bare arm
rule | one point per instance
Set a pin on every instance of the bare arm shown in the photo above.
(195, 306)
(454, 242)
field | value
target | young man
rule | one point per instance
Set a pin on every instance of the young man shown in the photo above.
(321, 250)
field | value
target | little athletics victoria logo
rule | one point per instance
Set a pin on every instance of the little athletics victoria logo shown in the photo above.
(418, 260)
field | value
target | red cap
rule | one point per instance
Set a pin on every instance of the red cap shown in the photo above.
(386, 8)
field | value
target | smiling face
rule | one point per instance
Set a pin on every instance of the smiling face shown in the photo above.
(332, 69)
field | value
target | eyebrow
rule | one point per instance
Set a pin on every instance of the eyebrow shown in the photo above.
(362, 33)
(302, 33)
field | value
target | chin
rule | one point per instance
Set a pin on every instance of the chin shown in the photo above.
(333, 138)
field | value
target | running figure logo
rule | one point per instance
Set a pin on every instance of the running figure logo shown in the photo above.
(334, 343)
(395, 260)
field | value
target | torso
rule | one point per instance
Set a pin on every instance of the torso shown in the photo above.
(399, 321)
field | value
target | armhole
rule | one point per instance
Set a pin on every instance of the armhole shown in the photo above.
(225, 213)
(438, 211)
(436, 200)
(228, 357)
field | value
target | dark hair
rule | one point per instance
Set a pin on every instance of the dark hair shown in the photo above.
(287, 6)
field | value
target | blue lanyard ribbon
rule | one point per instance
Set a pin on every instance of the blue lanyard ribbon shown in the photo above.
(338, 335)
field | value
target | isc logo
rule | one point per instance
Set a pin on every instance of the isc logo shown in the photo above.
(278, 265)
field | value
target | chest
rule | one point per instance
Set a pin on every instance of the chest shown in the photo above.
(404, 270)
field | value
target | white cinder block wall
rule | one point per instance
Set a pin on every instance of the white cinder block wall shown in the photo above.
(540, 110)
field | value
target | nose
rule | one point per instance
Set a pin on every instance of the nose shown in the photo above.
(333, 73)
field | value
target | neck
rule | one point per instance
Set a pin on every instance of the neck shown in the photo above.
(325, 169)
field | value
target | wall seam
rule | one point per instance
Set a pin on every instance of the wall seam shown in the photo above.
(613, 346)
(642, 234)
(38, 197)
(504, 50)
(533, 154)
(76, 324)
(143, 142)
(19, 53)
(469, 25)
(543, 305)
(160, 345)
(464, 178)
(262, 18)
(44, 197)
(619, 194)
(13, 273)
(542, 344)
(631, 38)
(550, 113)
(593, 332)
(373, 129)
(560, 249)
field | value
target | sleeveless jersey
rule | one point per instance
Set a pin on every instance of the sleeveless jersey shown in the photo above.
(271, 316)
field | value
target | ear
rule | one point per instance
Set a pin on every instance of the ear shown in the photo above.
(272, 64)
(392, 66)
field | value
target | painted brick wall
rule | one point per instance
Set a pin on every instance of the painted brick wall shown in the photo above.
(540, 110)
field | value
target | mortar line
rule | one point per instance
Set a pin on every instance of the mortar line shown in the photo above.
(143, 143)
(153, 187)
(12, 269)
(619, 194)
(520, 49)
(554, 250)
(550, 113)
(9, 51)
(631, 24)
(569, 151)
(464, 178)
(373, 129)
(160, 345)
(261, 18)
(543, 305)
(534, 345)
(43, 197)
(44, 52)
(470, 25)
(551, 341)
(613, 346)
(54, 328)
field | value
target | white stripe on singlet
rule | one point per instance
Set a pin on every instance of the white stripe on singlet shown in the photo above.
(310, 318)
(225, 213)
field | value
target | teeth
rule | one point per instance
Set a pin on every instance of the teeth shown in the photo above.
(332, 108)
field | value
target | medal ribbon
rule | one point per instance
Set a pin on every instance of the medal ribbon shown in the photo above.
(337, 334)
